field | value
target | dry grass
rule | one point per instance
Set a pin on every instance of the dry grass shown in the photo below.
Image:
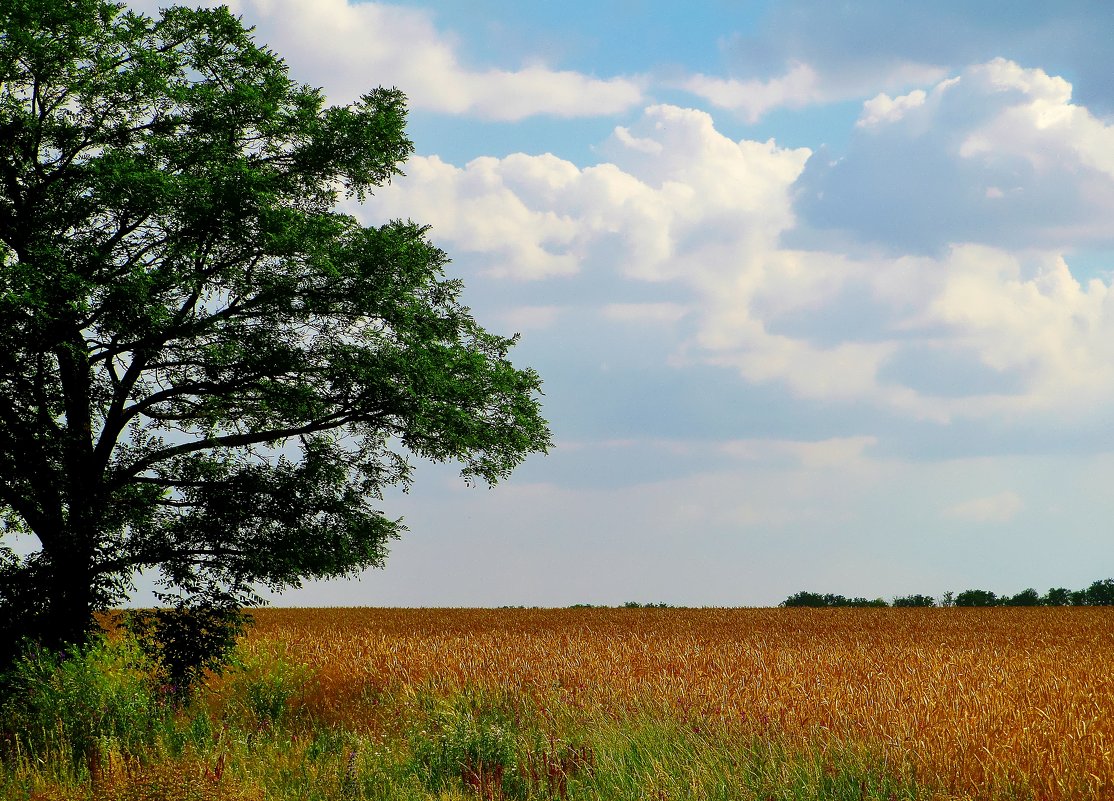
(982, 702)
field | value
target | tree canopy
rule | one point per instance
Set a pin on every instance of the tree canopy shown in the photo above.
(206, 367)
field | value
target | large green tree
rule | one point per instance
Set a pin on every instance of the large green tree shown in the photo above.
(205, 368)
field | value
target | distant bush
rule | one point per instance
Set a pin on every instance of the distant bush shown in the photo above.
(871, 602)
(627, 605)
(914, 600)
(976, 598)
(804, 598)
(1028, 597)
(828, 600)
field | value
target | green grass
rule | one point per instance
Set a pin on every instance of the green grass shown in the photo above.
(94, 726)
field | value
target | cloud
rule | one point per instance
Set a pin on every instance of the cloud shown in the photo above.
(998, 155)
(1000, 508)
(971, 332)
(349, 47)
(977, 333)
(753, 98)
(673, 182)
(801, 85)
(883, 108)
(498, 207)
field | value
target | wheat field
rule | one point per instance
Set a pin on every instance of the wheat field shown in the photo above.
(991, 703)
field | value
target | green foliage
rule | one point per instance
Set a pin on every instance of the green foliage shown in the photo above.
(205, 368)
(829, 600)
(265, 685)
(1057, 596)
(1099, 593)
(186, 640)
(664, 759)
(1027, 597)
(976, 598)
(65, 703)
(477, 750)
(23, 608)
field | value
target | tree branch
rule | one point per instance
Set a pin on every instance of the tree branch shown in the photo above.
(128, 474)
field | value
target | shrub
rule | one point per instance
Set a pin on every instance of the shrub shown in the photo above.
(65, 702)
(265, 685)
(477, 749)
(914, 600)
(184, 641)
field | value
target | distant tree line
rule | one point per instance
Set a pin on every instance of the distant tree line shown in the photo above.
(627, 605)
(1100, 593)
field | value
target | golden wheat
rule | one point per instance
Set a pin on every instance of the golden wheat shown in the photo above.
(986, 702)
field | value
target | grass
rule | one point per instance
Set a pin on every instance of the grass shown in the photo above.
(279, 724)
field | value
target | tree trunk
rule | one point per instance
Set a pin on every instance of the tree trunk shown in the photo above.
(70, 602)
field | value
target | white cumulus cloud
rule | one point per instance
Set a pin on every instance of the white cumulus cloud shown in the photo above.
(541, 216)
(883, 108)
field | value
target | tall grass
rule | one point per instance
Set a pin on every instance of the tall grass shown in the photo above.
(1003, 702)
(348, 704)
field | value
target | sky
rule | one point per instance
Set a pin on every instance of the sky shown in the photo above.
(822, 294)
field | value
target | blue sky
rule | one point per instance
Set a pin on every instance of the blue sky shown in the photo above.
(821, 292)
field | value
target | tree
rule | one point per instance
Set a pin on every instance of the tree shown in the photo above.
(1100, 593)
(205, 367)
(1057, 596)
(830, 600)
(1027, 597)
(976, 598)
(914, 600)
(806, 598)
